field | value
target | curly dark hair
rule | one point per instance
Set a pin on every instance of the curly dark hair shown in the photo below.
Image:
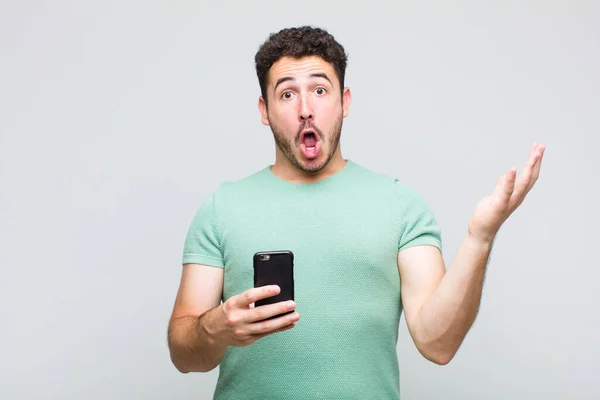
(299, 42)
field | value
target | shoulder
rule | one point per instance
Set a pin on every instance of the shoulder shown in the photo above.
(368, 176)
(403, 195)
(390, 182)
(236, 186)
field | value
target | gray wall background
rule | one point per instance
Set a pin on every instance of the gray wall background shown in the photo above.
(117, 119)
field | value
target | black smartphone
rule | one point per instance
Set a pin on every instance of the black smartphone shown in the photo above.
(275, 268)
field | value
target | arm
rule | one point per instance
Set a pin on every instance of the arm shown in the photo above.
(201, 329)
(440, 306)
(199, 295)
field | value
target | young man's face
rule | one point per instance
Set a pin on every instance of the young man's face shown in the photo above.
(305, 110)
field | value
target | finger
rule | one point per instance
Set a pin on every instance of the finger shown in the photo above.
(529, 177)
(523, 184)
(535, 174)
(269, 310)
(285, 328)
(505, 185)
(499, 185)
(254, 338)
(533, 169)
(253, 295)
(272, 325)
(509, 183)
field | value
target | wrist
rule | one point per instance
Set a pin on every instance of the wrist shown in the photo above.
(480, 242)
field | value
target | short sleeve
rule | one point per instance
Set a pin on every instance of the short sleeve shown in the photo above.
(418, 225)
(202, 243)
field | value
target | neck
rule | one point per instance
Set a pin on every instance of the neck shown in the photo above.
(285, 170)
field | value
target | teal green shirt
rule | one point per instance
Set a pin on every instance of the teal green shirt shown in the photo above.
(345, 232)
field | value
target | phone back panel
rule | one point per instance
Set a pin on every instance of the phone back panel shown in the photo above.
(275, 268)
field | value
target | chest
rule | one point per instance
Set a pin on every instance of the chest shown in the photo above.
(341, 248)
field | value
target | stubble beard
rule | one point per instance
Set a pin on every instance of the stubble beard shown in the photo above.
(285, 145)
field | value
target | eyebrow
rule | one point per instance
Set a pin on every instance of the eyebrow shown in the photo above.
(289, 78)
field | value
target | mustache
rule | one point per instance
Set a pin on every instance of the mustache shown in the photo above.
(308, 126)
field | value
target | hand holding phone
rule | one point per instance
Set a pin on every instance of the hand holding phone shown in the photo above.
(263, 310)
(241, 324)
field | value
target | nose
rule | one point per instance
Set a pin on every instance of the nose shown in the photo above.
(306, 110)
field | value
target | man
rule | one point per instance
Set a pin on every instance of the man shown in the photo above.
(366, 248)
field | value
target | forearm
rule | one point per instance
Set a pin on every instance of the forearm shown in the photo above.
(192, 346)
(447, 315)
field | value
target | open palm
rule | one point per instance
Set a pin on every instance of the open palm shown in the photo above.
(493, 210)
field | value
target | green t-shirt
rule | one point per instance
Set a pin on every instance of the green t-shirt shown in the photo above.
(345, 232)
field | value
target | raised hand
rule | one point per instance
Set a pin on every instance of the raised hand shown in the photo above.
(493, 210)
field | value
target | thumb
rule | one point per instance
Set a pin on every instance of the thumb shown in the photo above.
(506, 185)
(509, 182)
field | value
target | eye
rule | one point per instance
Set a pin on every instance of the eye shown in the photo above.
(320, 90)
(286, 95)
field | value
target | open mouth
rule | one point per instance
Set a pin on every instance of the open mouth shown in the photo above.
(309, 144)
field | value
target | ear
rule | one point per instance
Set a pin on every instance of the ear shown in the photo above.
(262, 107)
(346, 98)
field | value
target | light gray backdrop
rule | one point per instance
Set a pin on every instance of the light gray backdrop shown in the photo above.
(117, 120)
